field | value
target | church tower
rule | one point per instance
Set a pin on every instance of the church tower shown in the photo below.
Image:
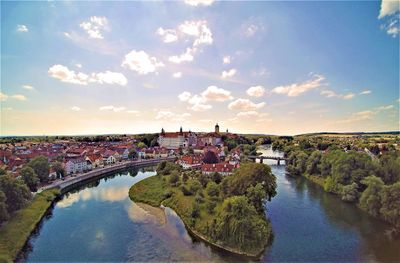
(217, 128)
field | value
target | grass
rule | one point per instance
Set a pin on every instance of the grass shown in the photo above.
(152, 191)
(15, 233)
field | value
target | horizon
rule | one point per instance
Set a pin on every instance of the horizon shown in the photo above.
(268, 68)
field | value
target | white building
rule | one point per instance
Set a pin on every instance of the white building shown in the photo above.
(175, 140)
(77, 165)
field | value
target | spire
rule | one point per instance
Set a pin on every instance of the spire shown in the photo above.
(162, 131)
(217, 128)
(180, 130)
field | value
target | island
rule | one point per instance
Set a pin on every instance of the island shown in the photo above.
(227, 212)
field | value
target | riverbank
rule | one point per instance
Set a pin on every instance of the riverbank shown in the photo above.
(15, 233)
(157, 191)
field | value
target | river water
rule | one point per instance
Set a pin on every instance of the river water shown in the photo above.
(98, 222)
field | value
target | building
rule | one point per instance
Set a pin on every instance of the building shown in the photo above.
(175, 140)
(191, 161)
(76, 165)
(221, 168)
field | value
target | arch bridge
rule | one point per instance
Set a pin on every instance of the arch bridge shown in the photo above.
(262, 158)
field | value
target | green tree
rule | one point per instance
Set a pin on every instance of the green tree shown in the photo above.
(30, 178)
(141, 145)
(16, 192)
(132, 154)
(3, 207)
(203, 179)
(390, 200)
(195, 186)
(370, 199)
(59, 169)
(174, 178)
(212, 189)
(216, 177)
(313, 163)
(41, 167)
(350, 193)
(390, 167)
(256, 195)
(195, 211)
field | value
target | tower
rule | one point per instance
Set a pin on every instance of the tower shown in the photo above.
(217, 128)
(162, 131)
(180, 130)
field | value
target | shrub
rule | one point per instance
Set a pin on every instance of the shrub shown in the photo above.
(210, 206)
(185, 191)
(195, 210)
(174, 178)
(212, 189)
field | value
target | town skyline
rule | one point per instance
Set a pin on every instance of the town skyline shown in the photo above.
(254, 67)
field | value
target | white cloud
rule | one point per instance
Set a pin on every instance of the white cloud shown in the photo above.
(136, 112)
(365, 92)
(248, 114)
(141, 62)
(196, 30)
(200, 107)
(389, 7)
(3, 97)
(213, 93)
(28, 87)
(22, 28)
(75, 108)
(169, 35)
(184, 96)
(383, 108)
(78, 65)
(95, 26)
(226, 59)
(19, 97)
(109, 77)
(245, 105)
(296, 89)
(184, 57)
(256, 91)
(358, 116)
(199, 2)
(252, 27)
(329, 93)
(228, 74)
(112, 108)
(177, 75)
(348, 96)
(69, 76)
(392, 27)
(170, 116)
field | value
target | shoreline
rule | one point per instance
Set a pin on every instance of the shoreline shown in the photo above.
(11, 254)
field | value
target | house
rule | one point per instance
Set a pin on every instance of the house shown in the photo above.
(76, 165)
(221, 168)
(108, 157)
(96, 160)
(175, 140)
(191, 162)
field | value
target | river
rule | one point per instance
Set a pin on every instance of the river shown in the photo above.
(98, 222)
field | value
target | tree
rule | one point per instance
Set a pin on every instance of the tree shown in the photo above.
(350, 193)
(59, 169)
(41, 167)
(203, 179)
(390, 200)
(212, 189)
(216, 177)
(30, 178)
(141, 145)
(313, 163)
(174, 178)
(132, 154)
(3, 208)
(390, 167)
(210, 157)
(16, 192)
(256, 196)
(250, 174)
(370, 199)
(195, 211)
(238, 216)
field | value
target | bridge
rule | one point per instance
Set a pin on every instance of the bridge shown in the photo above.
(262, 158)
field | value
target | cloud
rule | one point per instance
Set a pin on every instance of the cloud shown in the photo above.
(200, 107)
(329, 93)
(226, 59)
(245, 105)
(365, 92)
(213, 93)
(3, 97)
(22, 28)
(199, 2)
(28, 87)
(170, 116)
(348, 96)
(358, 116)
(256, 91)
(389, 7)
(197, 30)
(184, 57)
(109, 77)
(184, 96)
(177, 75)
(392, 27)
(112, 108)
(19, 97)
(64, 74)
(169, 35)
(95, 26)
(383, 108)
(248, 114)
(252, 26)
(75, 108)
(228, 74)
(296, 89)
(141, 62)
(136, 112)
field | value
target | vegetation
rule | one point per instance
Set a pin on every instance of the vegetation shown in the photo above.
(229, 214)
(17, 230)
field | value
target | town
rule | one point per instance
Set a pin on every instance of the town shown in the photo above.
(205, 151)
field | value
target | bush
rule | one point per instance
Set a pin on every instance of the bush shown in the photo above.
(195, 186)
(195, 210)
(212, 189)
(210, 206)
(167, 194)
(174, 178)
(199, 199)
(185, 191)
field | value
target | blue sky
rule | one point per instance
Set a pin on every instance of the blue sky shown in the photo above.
(253, 67)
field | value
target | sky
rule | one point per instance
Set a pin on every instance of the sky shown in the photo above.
(285, 68)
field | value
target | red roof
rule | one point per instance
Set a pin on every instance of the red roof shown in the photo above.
(218, 167)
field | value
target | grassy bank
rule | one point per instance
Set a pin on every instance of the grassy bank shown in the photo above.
(15, 233)
(319, 180)
(156, 190)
